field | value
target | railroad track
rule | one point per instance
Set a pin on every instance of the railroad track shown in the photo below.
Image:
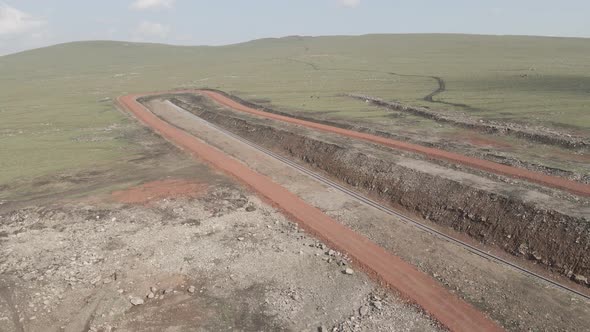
(390, 211)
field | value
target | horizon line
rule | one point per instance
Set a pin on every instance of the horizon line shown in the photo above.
(290, 36)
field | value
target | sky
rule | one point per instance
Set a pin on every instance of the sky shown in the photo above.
(26, 24)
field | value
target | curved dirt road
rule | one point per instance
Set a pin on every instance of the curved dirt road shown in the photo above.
(485, 165)
(417, 287)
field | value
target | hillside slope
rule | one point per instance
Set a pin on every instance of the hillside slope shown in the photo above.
(57, 112)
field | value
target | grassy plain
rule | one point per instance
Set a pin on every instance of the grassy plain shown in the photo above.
(56, 115)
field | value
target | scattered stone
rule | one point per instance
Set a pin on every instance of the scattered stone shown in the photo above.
(136, 301)
(322, 329)
(580, 278)
(241, 238)
(150, 295)
(168, 291)
(364, 310)
(191, 289)
(349, 271)
(250, 208)
(378, 305)
(153, 289)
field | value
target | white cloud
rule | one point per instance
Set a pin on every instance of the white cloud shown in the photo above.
(14, 21)
(152, 4)
(349, 3)
(147, 30)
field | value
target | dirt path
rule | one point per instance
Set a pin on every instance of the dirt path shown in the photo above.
(412, 284)
(485, 165)
(489, 286)
(442, 87)
(441, 84)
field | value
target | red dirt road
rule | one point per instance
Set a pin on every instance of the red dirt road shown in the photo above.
(415, 286)
(155, 190)
(485, 165)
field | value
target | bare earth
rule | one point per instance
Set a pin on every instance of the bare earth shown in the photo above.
(389, 269)
(547, 180)
(515, 300)
(219, 261)
(196, 251)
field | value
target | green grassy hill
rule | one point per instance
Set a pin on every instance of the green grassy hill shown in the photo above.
(55, 113)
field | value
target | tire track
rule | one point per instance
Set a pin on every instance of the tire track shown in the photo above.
(442, 86)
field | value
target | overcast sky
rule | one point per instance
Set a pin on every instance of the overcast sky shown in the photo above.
(28, 24)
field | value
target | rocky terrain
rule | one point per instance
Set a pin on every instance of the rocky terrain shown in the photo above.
(215, 260)
(515, 300)
(523, 222)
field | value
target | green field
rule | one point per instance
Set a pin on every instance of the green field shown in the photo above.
(55, 115)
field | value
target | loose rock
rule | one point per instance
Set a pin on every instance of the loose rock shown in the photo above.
(364, 310)
(136, 301)
(580, 278)
(378, 305)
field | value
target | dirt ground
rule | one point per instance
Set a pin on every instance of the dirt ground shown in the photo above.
(516, 301)
(498, 142)
(163, 243)
(220, 260)
(518, 217)
(440, 154)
